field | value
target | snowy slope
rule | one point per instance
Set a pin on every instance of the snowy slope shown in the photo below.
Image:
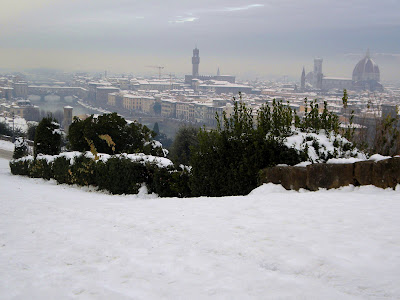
(62, 242)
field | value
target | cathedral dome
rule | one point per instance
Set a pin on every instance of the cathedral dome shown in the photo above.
(366, 70)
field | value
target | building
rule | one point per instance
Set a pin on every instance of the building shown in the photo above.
(195, 72)
(366, 76)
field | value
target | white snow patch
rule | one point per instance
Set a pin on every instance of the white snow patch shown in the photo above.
(58, 241)
(378, 157)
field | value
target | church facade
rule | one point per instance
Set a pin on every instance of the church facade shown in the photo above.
(366, 76)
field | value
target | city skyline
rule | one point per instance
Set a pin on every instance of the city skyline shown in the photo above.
(248, 39)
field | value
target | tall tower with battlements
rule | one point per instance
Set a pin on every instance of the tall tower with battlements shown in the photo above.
(195, 62)
(318, 75)
(303, 80)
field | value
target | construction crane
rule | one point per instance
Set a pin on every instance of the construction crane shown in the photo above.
(159, 70)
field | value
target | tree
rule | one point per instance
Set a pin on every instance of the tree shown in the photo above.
(126, 138)
(5, 129)
(47, 137)
(227, 160)
(30, 134)
(157, 108)
(185, 139)
(20, 148)
(156, 128)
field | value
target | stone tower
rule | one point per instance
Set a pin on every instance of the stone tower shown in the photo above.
(195, 62)
(317, 78)
(67, 117)
(303, 80)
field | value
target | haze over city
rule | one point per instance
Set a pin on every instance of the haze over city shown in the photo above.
(244, 38)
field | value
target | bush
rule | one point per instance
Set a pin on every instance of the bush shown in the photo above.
(5, 129)
(227, 160)
(125, 138)
(20, 167)
(62, 170)
(20, 148)
(120, 175)
(185, 139)
(47, 137)
(168, 182)
(40, 168)
(82, 171)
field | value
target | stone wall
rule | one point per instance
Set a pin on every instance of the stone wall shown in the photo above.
(383, 174)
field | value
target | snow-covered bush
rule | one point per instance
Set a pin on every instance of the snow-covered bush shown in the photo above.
(322, 146)
(118, 174)
(20, 148)
(112, 134)
(47, 137)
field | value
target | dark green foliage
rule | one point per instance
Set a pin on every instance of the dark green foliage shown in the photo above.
(185, 139)
(157, 108)
(30, 135)
(156, 128)
(128, 138)
(92, 128)
(118, 175)
(20, 148)
(40, 168)
(168, 182)
(387, 136)
(227, 160)
(121, 175)
(5, 129)
(82, 171)
(20, 167)
(61, 170)
(47, 137)
(314, 121)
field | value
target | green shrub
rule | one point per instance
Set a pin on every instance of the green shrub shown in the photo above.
(47, 137)
(40, 168)
(168, 182)
(62, 170)
(20, 148)
(82, 171)
(120, 175)
(20, 167)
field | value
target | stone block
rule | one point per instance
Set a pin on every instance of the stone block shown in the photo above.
(329, 176)
(291, 178)
(363, 172)
(386, 173)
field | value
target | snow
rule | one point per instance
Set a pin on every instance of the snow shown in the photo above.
(63, 242)
(5, 145)
(378, 157)
(161, 162)
(19, 123)
(302, 140)
(350, 160)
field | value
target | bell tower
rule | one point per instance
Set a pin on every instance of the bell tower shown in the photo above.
(195, 62)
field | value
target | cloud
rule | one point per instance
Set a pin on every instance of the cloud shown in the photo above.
(242, 7)
(180, 19)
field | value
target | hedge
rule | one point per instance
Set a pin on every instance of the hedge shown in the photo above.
(117, 174)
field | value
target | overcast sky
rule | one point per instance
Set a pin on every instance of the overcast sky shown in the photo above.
(257, 38)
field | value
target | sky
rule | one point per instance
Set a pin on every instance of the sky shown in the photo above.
(245, 38)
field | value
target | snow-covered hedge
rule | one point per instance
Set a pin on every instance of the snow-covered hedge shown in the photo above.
(118, 174)
(323, 146)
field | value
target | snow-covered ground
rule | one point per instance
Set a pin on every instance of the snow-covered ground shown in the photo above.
(62, 242)
(5, 145)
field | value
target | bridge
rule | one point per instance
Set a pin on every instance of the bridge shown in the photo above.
(62, 92)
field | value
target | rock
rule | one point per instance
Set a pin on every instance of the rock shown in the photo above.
(291, 178)
(329, 176)
(363, 172)
(386, 173)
